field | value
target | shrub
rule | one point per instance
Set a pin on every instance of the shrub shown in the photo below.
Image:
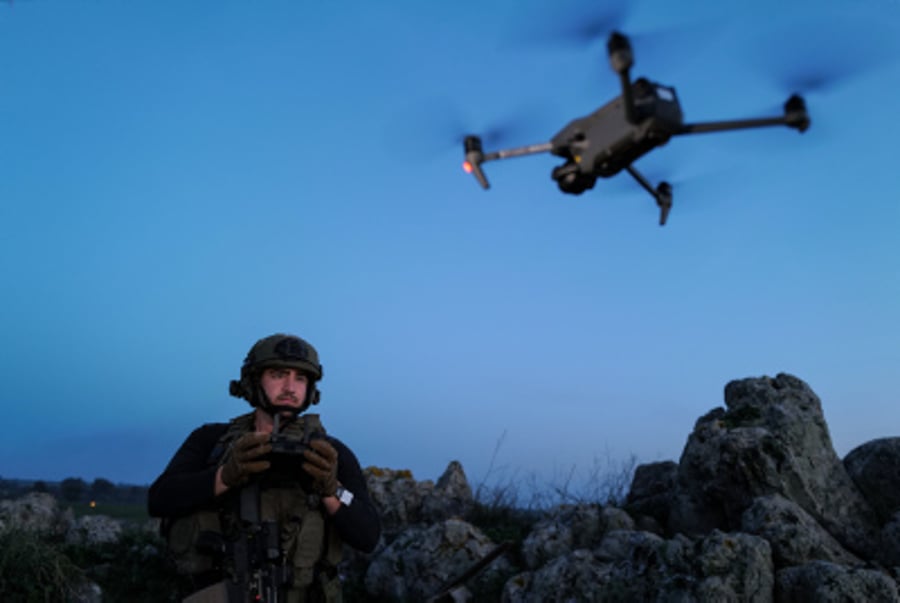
(33, 568)
(135, 568)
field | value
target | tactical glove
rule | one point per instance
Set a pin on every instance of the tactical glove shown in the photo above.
(322, 464)
(243, 460)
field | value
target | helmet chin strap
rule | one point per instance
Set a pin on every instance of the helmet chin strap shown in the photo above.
(275, 410)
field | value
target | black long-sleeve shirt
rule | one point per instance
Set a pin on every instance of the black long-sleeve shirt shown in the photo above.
(188, 484)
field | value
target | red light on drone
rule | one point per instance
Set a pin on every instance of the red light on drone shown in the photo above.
(467, 166)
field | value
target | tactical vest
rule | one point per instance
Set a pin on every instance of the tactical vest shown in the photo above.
(206, 543)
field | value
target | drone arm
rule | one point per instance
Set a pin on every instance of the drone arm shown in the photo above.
(795, 116)
(736, 124)
(475, 156)
(531, 149)
(473, 166)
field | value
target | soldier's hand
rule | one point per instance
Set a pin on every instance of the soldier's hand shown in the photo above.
(322, 464)
(244, 459)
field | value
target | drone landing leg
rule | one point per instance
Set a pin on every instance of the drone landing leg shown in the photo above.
(662, 193)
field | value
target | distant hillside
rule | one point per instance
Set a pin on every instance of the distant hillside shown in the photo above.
(76, 490)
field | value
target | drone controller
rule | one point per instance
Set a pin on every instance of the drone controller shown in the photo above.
(293, 439)
(289, 445)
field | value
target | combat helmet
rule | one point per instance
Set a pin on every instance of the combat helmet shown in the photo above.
(279, 350)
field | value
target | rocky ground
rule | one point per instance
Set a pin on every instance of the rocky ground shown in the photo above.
(758, 508)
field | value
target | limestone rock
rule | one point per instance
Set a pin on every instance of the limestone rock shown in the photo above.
(450, 497)
(36, 511)
(403, 501)
(735, 567)
(613, 518)
(889, 551)
(627, 545)
(641, 566)
(824, 582)
(875, 468)
(94, 529)
(796, 538)
(86, 592)
(772, 439)
(398, 497)
(572, 577)
(565, 528)
(651, 490)
(423, 559)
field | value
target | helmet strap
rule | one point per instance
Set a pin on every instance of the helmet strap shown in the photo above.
(274, 410)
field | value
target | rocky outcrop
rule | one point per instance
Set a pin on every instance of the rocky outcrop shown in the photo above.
(403, 501)
(771, 439)
(758, 508)
(407, 506)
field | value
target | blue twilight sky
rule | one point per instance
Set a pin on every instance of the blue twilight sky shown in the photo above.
(178, 179)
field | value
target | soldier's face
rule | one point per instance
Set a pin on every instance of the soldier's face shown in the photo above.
(285, 386)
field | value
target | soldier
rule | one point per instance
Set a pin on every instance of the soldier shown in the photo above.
(258, 508)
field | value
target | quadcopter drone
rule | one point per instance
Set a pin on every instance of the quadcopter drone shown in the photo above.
(607, 141)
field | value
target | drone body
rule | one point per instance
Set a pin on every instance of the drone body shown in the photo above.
(610, 139)
(607, 141)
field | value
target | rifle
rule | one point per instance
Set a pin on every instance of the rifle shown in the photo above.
(450, 590)
(261, 574)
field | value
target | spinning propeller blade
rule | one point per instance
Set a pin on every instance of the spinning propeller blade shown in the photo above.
(817, 54)
(573, 23)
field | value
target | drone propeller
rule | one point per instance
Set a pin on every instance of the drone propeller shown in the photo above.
(499, 133)
(588, 23)
(583, 23)
(429, 127)
(815, 55)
